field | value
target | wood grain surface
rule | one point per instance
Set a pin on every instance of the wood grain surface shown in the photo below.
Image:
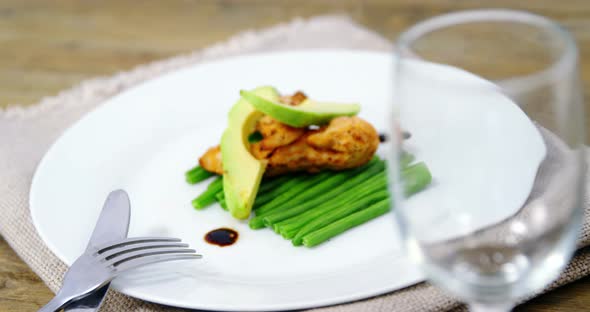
(46, 46)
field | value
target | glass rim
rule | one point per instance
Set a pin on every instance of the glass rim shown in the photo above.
(564, 62)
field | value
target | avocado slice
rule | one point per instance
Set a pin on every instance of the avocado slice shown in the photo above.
(242, 172)
(305, 114)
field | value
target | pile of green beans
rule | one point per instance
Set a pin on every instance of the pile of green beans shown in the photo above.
(309, 209)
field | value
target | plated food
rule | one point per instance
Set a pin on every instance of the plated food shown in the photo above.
(185, 112)
(308, 169)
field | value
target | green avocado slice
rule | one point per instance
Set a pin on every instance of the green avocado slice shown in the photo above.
(305, 114)
(242, 172)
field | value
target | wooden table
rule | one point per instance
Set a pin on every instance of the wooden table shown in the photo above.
(46, 46)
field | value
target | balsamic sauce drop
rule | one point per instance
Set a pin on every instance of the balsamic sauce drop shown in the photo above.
(383, 137)
(221, 237)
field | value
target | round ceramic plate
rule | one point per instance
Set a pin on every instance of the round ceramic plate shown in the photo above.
(144, 139)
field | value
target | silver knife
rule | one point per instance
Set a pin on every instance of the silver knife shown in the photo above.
(112, 225)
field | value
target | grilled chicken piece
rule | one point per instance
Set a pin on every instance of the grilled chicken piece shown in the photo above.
(275, 134)
(294, 99)
(211, 160)
(346, 142)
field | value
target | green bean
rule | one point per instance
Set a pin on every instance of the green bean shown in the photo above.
(294, 210)
(256, 222)
(311, 209)
(345, 191)
(196, 175)
(268, 184)
(287, 229)
(338, 214)
(217, 183)
(406, 159)
(264, 198)
(205, 199)
(208, 197)
(331, 180)
(290, 182)
(415, 178)
(289, 233)
(373, 184)
(223, 204)
(294, 192)
(319, 236)
(220, 196)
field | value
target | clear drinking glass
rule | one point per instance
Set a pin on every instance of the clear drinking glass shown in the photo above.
(493, 102)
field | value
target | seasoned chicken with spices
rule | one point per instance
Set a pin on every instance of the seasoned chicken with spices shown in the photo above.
(346, 142)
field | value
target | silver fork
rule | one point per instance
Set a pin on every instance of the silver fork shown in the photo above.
(96, 268)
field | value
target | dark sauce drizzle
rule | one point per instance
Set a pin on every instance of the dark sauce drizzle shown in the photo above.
(221, 237)
(384, 138)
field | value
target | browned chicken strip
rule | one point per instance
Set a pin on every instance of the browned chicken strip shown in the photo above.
(276, 134)
(346, 142)
(211, 160)
(294, 99)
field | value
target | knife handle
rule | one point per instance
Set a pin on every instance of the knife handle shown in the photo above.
(56, 303)
(90, 303)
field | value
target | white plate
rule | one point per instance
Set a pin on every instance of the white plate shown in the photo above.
(145, 138)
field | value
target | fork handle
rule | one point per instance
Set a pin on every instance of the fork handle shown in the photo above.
(56, 304)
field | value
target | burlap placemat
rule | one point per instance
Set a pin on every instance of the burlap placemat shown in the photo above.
(26, 134)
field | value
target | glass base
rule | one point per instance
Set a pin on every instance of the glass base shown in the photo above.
(491, 307)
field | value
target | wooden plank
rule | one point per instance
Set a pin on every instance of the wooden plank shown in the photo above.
(20, 288)
(46, 46)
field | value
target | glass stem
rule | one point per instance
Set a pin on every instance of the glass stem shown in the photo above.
(490, 307)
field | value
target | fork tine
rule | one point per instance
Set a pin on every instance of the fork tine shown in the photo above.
(118, 251)
(151, 259)
(134, 240)
(146, 253)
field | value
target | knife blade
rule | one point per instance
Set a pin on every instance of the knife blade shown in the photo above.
(112, 225)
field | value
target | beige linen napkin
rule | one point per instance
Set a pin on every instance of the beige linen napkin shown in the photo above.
(26, 134)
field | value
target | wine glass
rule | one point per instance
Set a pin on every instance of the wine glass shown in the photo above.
(493, 100)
